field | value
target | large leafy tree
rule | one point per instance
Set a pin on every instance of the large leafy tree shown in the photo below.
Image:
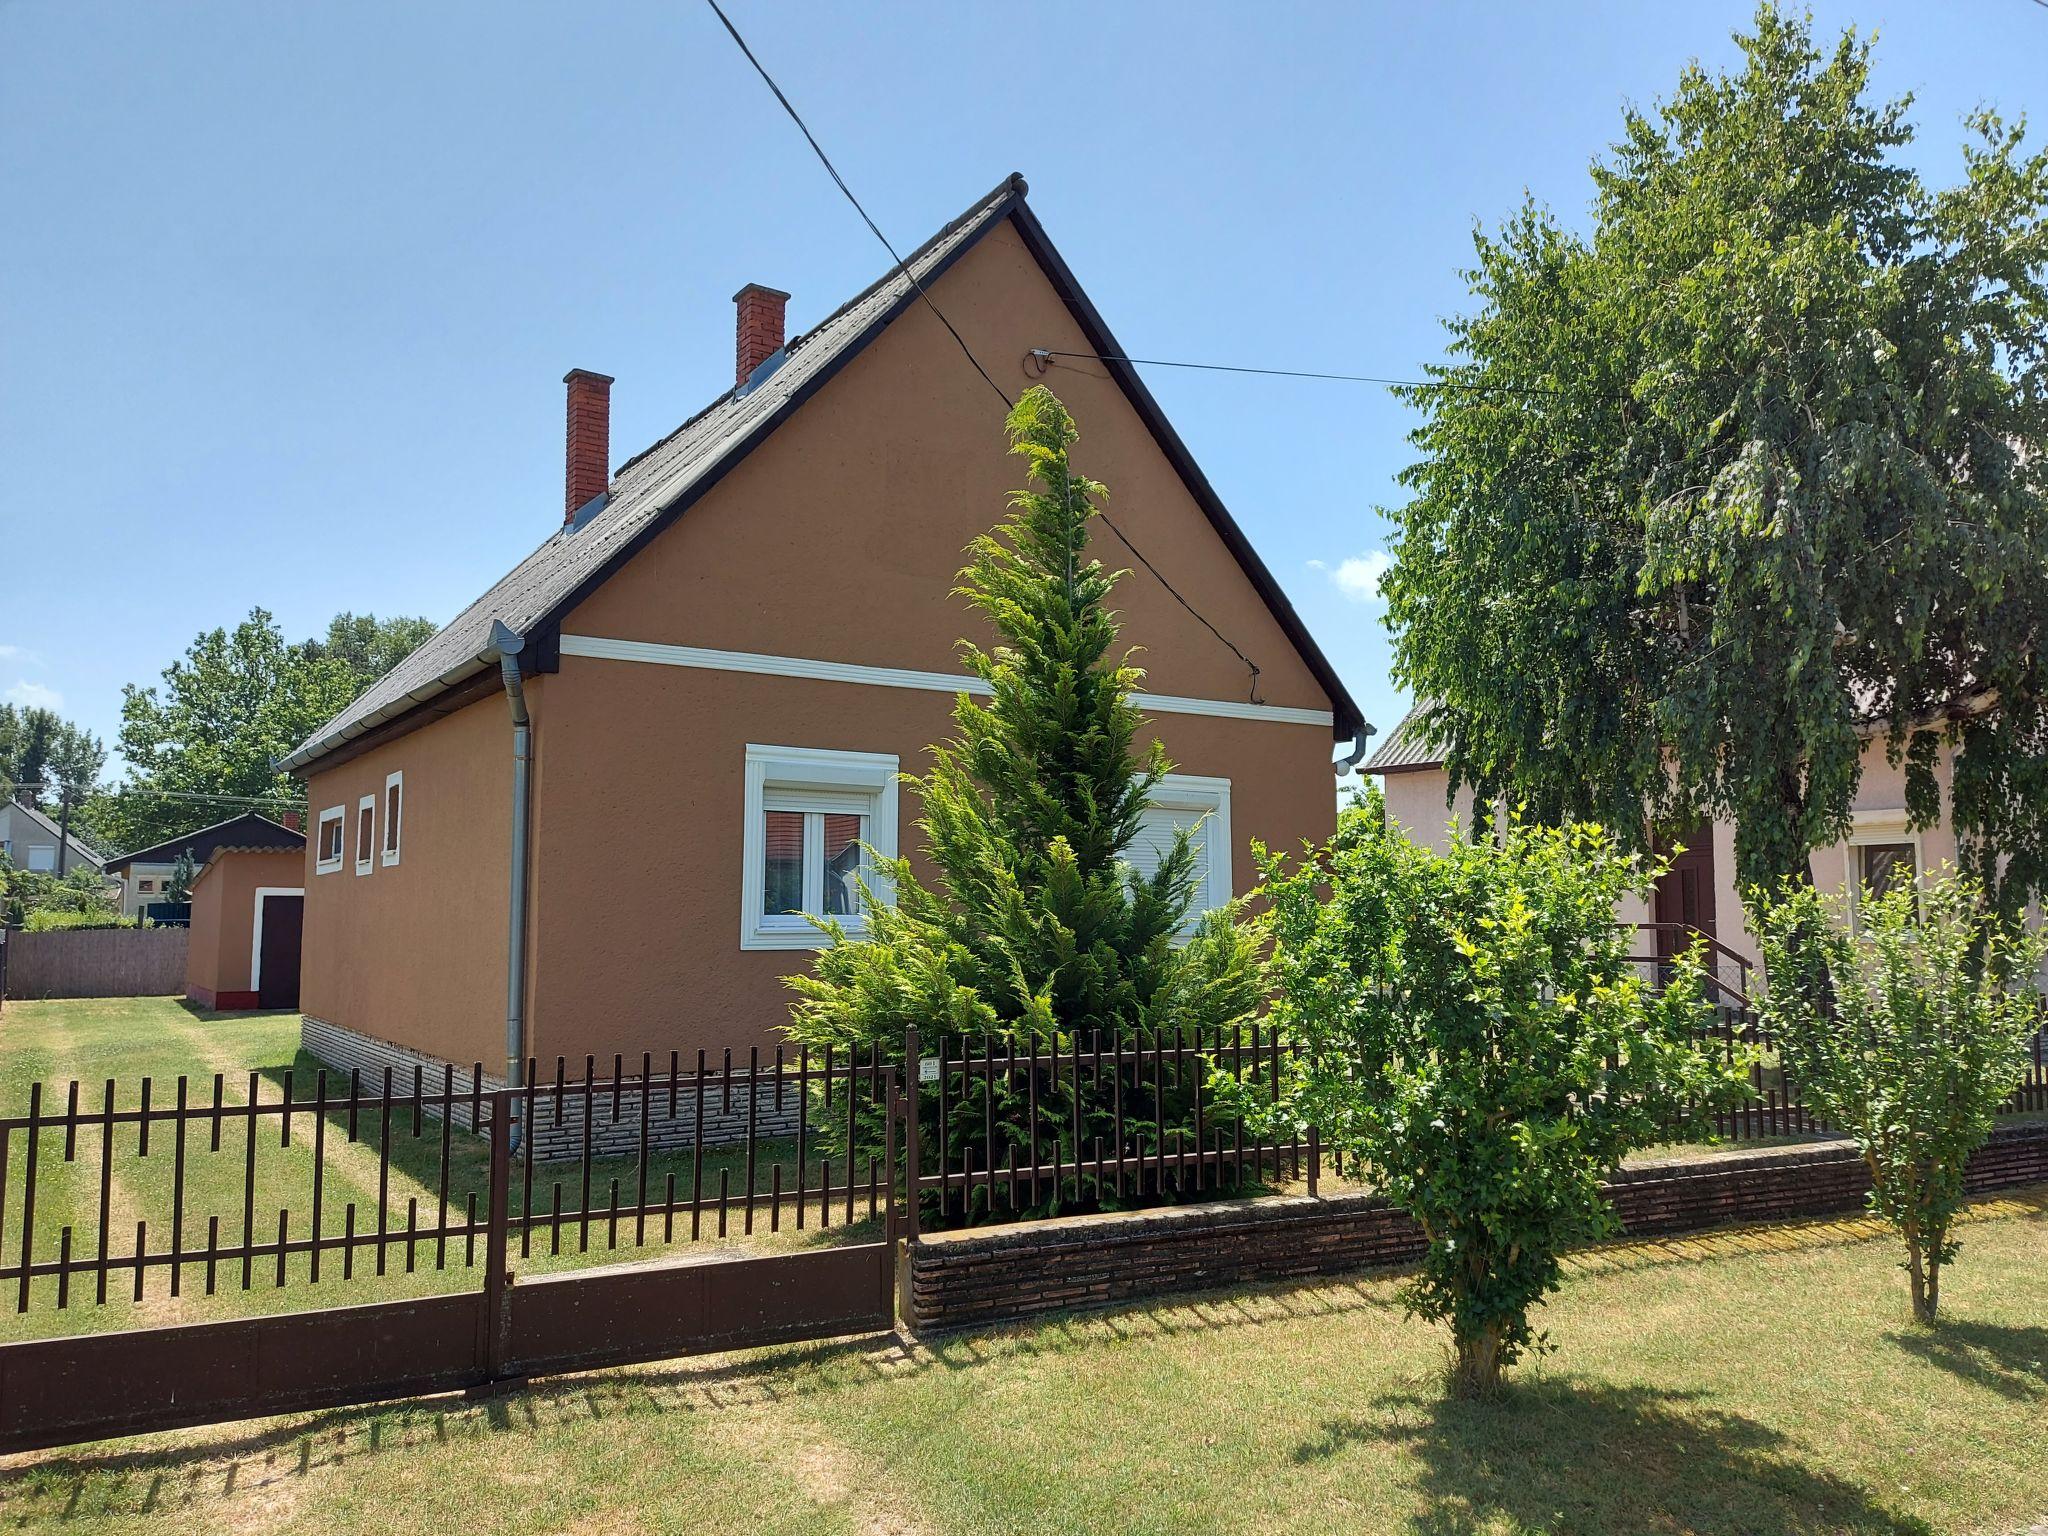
(51, 764)
(200, 745)
(1035, 924)
(1750, 470)
(369, 646)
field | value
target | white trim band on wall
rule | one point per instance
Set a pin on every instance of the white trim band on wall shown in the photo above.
(601, 649)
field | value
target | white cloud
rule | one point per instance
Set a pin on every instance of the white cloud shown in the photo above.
(1358, 578)
(20, 653)
(34, 696)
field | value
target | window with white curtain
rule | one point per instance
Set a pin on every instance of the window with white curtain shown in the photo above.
(811, 815)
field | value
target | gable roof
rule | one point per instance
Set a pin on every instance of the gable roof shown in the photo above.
(653, 488)
(247, 830)
(79, 846)
(1407, 748)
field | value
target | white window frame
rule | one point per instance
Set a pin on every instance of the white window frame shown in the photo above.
(1210, 797)
(393, 841)
(47, 850)
(263, 893)
(322, 865)
(817, 781)
(1869, 827)
(366, 859)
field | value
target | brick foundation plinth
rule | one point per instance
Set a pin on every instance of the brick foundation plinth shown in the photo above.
(991, 1275)
(558, 1132)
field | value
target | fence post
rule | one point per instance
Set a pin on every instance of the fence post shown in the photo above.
(913, 1079)
(497, 1247)
(1315, 1160)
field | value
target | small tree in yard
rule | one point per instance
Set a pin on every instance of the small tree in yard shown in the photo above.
(183, 873)
(1906, 1029)
(1469, 1027)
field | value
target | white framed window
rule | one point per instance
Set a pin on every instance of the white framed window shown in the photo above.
(1881, 855)
(394, 815)
(811, 814)
(328, 845)
(42, 857)
(366, 834)
(1202, 806)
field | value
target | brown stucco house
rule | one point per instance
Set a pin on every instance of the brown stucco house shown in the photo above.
(727, 651)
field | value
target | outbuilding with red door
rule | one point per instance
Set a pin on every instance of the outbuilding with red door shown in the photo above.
(248, 910)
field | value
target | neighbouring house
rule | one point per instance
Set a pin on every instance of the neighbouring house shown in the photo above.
(146, 873)
(1699, 891)
(31, 838)
(728, 650)
(248, 906)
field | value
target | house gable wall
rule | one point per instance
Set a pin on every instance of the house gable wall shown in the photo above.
(839, 539)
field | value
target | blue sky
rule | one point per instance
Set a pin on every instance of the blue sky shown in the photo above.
(283, 288)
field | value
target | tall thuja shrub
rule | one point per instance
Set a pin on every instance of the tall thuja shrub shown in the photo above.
(1906, 1028)
(1035, 928)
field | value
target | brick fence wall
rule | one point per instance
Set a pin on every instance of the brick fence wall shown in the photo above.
(987, 1275)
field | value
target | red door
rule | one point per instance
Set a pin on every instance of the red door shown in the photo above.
(284, 917)
(1685, 895)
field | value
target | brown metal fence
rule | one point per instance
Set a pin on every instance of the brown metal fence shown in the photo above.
(124, 1203)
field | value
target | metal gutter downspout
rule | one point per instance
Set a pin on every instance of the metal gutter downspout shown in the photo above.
(1345, 764)
(508, 646)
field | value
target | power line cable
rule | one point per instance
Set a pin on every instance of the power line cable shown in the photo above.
(966, 351)
(832, 170)
(1045, 354)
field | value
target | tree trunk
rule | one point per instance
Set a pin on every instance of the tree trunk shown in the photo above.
(1927, 1293)
(1477, 1373)
(1916, 1268)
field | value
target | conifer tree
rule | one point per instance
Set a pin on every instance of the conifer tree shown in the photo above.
(1035, 925)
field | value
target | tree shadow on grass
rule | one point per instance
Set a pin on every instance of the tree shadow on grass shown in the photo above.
(2013, 1362)
(1568, 1454)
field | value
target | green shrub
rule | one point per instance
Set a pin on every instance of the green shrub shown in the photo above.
(1906, 1024)
(49, 920)
(1469, 1027)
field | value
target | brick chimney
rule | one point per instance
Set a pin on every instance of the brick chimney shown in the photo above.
(291, 821)
(759, 335)
(590, 438)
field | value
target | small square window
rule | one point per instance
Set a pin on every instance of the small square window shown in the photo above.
(42, 857)
(145, 885)
(394, 815)
(328, 847)
(811, 817)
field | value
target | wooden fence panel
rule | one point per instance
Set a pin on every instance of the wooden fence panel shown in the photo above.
(97, 962)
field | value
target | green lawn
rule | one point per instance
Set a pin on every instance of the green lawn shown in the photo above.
(128, 1039)
(1743, 1383)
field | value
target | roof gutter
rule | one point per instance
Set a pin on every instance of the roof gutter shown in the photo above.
(507, 646)
(1359, 743)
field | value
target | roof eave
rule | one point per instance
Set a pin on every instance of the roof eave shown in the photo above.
(302, 760)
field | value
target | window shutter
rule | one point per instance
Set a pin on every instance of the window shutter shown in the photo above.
(1154, 841)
